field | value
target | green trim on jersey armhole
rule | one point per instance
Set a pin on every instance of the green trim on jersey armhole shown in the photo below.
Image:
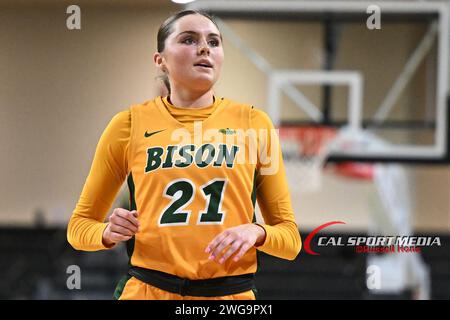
(130, 243)
(254, 197)
(120, 286)
(130, 183)
(253, 221)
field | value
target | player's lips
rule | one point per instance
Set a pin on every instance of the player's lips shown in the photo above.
(203, 64)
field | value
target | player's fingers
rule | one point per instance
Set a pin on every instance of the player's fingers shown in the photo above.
(216, 242)
(124, 213)
(119, 221)
(219, 248)
(233, 248)
(213, 244)
(133, 217)
(242, 251)
(130, 216)
(116, 237)
(121, 230)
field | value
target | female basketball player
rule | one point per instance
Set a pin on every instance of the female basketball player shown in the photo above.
(190, 230)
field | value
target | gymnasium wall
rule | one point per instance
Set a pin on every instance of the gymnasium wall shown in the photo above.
(60, 88)
(58, 91)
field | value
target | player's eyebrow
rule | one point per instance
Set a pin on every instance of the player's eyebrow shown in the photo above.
(212, 34)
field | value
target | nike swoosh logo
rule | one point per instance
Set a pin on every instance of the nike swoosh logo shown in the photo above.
(152, 133)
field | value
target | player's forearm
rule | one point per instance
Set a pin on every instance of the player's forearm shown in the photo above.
(85, 233)
(282, 240)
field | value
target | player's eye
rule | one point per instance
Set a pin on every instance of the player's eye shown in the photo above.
(214, 42)
(188, 40)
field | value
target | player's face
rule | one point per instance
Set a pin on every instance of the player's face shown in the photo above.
(193, 53)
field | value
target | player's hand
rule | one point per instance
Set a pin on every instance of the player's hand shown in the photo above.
(122, 226)
(238, 240)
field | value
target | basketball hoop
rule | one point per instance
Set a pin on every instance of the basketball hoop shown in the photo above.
(355, 170)
(305, 150)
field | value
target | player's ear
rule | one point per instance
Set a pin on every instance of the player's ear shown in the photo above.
(159, 61)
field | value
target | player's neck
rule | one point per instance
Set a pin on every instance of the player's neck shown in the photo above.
(189, 99)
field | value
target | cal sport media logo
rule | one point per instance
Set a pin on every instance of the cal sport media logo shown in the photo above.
(370, 244)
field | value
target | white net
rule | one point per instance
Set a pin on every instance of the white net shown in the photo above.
(305, 150)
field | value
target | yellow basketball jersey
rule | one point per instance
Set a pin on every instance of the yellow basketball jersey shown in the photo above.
(189, 187)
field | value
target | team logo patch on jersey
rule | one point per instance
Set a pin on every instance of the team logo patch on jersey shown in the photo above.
(227, 131)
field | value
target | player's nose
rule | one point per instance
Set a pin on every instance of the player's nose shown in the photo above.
(202, 48)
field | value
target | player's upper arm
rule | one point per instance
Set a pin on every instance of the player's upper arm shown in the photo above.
(109, 167)
(111, 154)
(269, 152)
